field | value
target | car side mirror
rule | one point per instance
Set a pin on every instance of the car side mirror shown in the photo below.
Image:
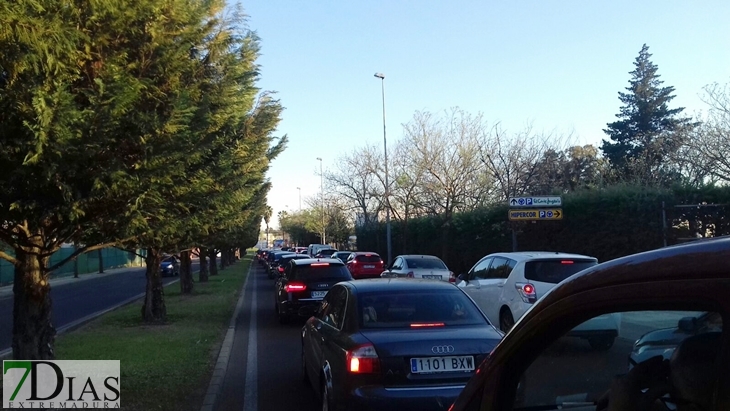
(688, 324)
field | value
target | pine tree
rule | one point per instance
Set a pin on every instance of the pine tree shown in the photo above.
(648, 132)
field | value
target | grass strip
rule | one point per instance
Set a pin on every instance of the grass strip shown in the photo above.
(168, 366)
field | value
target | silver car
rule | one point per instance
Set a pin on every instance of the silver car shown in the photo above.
(419, 266)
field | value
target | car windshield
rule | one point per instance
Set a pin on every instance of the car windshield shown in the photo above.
(426, 263)
(555, 271)
(322, 271)
(411, 308)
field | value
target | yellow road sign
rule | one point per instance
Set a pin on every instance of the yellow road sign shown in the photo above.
(536, 214)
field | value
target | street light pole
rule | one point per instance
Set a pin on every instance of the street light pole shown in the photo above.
(300, 198)
(381, 76)
(321, 187)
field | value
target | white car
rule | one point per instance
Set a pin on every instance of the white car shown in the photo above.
(419, 266)
(506, 285)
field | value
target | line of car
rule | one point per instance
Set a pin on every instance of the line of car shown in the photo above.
(405, 341)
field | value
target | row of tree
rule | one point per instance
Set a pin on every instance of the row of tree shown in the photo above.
(458, 162)
(129, 124)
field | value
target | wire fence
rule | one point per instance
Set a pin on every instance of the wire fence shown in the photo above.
(87, 263)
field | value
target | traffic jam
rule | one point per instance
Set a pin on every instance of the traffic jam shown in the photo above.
(518, 331)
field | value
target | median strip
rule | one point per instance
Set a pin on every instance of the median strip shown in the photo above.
(163, 366)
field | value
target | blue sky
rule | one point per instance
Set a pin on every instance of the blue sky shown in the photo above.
(556, 64)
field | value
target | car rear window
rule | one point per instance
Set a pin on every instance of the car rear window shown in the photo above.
(280, 256)
(327, 252)
(554, 271)
(404, 309)
(322, 271)
(426, 263)
(365, 258)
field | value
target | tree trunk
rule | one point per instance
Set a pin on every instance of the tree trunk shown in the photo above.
(224, 258)
(153, 309)
(186, 273)
(101, 261)
(203, 273)
(213, 263)
(33, 333)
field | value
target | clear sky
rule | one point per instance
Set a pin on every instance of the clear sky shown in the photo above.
(556, 64)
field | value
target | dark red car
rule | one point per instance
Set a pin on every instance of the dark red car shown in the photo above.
(364, 265)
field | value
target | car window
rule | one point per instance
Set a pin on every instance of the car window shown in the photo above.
(397, 264)
(408, 309)
(480, 269)
(500, 268)
(334, 312)
(555, 270)
(678, 349)
(426, 263)
(368, 258)
(321, 271)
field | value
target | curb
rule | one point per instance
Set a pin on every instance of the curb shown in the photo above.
(221, 366)
(83, 320)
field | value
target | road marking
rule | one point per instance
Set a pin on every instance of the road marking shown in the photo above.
(250, 400)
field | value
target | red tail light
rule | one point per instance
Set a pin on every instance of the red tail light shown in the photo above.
(452, 277)
(363, 360)
(295, 287)
(410, 274)
(567, 262)
(281, 269)
(527, 292)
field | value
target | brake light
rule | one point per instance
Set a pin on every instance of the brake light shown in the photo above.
(319, 264)
(567, 262)
(354, 261)
(368, 255)
(363, 360)
(281, 269)
(526, 292)
(295, 287)
(452, 277)
(410, 274)
(425, 325)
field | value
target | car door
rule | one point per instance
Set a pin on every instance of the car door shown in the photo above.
(473, 283)
(327, 352)
(492, 287)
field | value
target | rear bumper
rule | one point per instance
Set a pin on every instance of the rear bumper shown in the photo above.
(294, 307)
(396, 399)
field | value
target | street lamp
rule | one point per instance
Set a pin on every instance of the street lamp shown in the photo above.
(381, 76)
(300, 198)
(321, 187)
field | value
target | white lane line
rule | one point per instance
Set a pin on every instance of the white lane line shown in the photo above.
(250, 400)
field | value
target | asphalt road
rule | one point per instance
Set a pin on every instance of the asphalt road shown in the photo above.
(264, 368)
(76, 299)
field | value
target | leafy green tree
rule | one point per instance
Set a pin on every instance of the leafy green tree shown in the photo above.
(647, 131)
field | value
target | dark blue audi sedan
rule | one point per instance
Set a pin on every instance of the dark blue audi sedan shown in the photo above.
(393, 344)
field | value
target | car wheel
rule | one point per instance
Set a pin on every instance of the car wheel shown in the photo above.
(283, 318)
(506, 322)
(325, 396)
(601, 343)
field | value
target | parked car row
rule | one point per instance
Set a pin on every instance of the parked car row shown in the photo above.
(405, 341)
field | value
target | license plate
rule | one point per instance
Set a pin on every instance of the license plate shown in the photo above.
(368, 266)
(318, 294)
(432, 277)
(442, 364)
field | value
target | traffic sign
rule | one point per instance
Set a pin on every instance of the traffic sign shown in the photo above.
(536, 214)
(554, 201)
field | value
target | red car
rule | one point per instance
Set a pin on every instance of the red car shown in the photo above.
(364, 265)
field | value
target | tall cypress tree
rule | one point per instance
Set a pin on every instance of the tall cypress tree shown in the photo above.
(647, 131)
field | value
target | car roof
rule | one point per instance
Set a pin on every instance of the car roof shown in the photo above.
(307, 261)
(397, 284)
(365, 253)
(531, 255)
(424, 256)
(693, 261)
